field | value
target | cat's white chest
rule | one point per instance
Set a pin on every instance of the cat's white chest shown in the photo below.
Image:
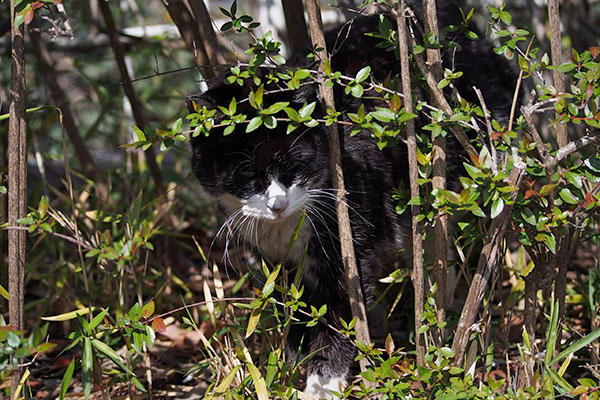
(273, 239)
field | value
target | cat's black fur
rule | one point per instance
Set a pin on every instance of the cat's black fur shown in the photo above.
(237, 168)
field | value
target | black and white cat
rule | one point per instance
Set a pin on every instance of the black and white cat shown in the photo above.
(264, 180)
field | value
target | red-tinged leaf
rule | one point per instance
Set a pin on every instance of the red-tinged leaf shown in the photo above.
(28, 17)
(37, 4)
(496, 135)
(148, 309)
(57, 1)
(530, 193)
(589, 199)
(595, 51)
(159, 325)
(7, 328)
(589, 91)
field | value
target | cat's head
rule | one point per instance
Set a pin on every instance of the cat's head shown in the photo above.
(266, 173)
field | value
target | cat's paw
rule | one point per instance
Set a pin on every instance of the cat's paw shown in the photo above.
(319, 387)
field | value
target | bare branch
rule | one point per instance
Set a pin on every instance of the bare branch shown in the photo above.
(355, 293)
(417, 237)
(440, 249)
(556, 49)
(17, 188)
(487, 263)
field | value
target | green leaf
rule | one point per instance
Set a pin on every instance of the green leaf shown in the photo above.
(363, 74)
(562, 382)
(497, 207)
(272, 366)
(43, 207)
(69, 315)
(275, 108)
(176, 125)
(225, 384)
(270, 121)
(87, 366)
(148, 309)
(566, 67)
(259, 383)
(552, 333)
(4, 293)
(550, 241)
(357, 90)
(96, 321)
(253, 321)
(568, 197)
(135, 313)
(578, 345)
(229, 130)
(383, 115)
(110, 353)
(66, 380)
(254, 124)
(138, 134)
(307, 110)
(506, 17)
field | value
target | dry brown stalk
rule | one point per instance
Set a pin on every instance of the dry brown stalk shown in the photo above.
(487, 263)
(417, 238)
(440, 249)
(355, 293)
(556, 50)
(17, 188)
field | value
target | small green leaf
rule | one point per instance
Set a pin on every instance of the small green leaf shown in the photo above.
(497, 207)
(43, 207)
(253, 321)
(550, 241)
(307, 110)
(254, 124)
(363, 74)
(566, 67)
(357, 90)
(97, 319)
(568, 197)
(135, 313)
(138, 134)
(148, 309)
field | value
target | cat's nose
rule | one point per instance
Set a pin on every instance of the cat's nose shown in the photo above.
(278, 204)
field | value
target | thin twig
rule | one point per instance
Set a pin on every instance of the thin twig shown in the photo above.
(518, 89)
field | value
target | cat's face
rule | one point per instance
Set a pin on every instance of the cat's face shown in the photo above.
(265, 174)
